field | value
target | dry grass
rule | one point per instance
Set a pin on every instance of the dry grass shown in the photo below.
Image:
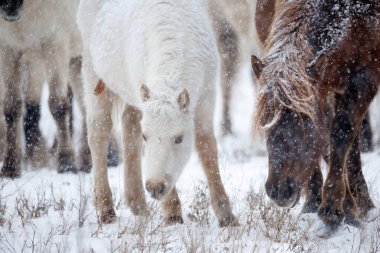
(46, 221)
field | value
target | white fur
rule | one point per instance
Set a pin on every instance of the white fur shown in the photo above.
(168, 45)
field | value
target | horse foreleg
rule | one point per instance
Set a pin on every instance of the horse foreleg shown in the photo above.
(57, 62)
(12, 113)
(334, 189)
(172, 208)
(208, 153)
(228, 42)
(349, 112)
(35, 148)
(75, 81)
(99, 123)
(357, 183)
(313, 189)
(365, 141)
(132, 140)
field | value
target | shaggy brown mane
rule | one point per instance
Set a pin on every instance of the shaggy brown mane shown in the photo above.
(284, 81)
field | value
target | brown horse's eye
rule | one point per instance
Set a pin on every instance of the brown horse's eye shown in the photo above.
(178, 140)
(144, 137)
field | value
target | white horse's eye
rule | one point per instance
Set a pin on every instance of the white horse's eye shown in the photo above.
(144, 137)
(178, 140)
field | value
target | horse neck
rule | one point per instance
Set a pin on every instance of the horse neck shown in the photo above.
(168, 61)
(288, 54)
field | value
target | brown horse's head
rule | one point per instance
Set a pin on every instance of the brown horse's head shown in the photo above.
(10, 9)
(292, 140)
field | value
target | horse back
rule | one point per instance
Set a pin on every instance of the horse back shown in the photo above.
(344, 40)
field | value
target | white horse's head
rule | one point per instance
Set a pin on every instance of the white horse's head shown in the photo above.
(167, 127)
(10, 9)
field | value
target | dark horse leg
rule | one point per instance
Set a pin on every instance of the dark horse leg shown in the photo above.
(313, 190)
(12, 111)
(350, 108)
(357, 182)
(35, 148)
(365, 139)
(228, 43)
(57, 65)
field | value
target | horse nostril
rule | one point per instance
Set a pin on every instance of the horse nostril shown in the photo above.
(161, 188)
(272, 190)
(156, 189)
(288, 190)
(282, 193)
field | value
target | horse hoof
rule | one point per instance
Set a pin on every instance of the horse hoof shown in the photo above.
(11, 168)
(85, 168)
(10, 173)
(138, 209)
(365, 206)
(352, 221)
(67, 167)
(331, 217)
(172, 220)
(85, 163)
(229, 221)
(310, 207)
(108, 216)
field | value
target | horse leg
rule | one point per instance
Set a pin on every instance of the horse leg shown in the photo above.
(99, 123)
(113, 152)
(3, 127)
(35, 148)
(349, 111)
(57, 63)
(228, 42)
(365, 140)
(208, 153)
(313, 190)
(12, 112)
(172, 208)
(357, 183)
(132, 140)
(75, 81)
(334, 189)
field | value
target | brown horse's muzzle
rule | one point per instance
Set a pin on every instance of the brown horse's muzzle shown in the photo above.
(283, 194)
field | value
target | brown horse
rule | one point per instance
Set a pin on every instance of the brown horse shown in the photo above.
(316, 50)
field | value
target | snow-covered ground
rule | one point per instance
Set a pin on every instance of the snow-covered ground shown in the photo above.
(46, 212)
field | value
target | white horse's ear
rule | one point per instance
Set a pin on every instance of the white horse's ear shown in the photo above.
(184, 100)
(144, 92)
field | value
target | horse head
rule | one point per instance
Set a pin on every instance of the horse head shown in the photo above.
(11, 9)
(167, 127)
(293, 140)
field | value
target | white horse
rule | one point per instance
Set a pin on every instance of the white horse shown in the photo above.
(37, 40)
(160, 59)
